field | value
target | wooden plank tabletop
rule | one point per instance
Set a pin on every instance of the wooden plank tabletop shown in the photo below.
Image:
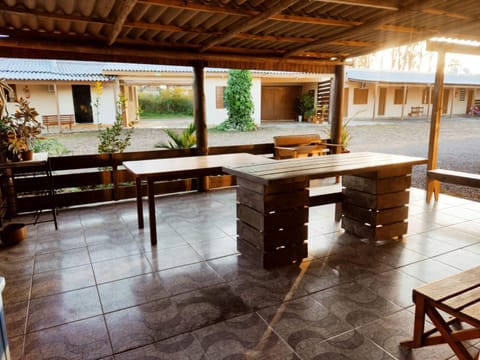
(190, 165)
(320, 167)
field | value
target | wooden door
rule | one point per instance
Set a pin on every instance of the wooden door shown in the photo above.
(280, 102)
(470, 103)
(382, 100)
(346, 91)
(82, 103)
(445, 100)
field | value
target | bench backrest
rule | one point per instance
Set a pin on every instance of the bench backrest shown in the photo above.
(295, 140)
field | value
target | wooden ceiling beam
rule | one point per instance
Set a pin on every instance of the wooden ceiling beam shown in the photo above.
(377, 4)
(453, 48)
(56, 50)
(406, 8)
(127, 8)
(248, 24)
(186, 5)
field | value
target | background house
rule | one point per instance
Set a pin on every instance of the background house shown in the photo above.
(382, 94)
(68, 87)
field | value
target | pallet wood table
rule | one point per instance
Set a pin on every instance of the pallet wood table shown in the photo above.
(458, 296)
(151, 171)
(273, 200)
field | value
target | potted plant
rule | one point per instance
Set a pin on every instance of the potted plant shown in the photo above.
(305, 103)
(23, 128)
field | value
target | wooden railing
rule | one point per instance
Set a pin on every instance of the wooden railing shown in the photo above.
(87, 179)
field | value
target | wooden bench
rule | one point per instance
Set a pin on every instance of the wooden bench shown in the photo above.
(52, 120)
(295, 146)
(449, 176)
(459, 297)
(416, 111)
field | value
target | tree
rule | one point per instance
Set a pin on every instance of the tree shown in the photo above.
(238, 101)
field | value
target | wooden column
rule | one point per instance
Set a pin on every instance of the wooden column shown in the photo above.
(200, 117)
(433, 186)
(199, 109)
(337, 111)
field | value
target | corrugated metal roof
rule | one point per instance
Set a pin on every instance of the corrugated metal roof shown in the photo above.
(409, 77)
(65, 70)
(52, 70)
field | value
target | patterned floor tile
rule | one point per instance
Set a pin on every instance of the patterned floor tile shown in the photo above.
(48, 311)
(57, 281)
(61, 260)
(301, 320)
(355, 304)
(80, 340)
(388, 332)
(348, 346)
(395, 286)
(244, 337)
(177, 348)
(116, 269)
(189, 277)
(136, 290)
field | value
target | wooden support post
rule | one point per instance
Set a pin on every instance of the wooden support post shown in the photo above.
(433, 186)
(337, 113)
(199, 114)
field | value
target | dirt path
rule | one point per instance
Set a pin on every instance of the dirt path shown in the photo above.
(458, 147)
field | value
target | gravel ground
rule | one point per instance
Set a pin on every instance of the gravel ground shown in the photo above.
(459, 143)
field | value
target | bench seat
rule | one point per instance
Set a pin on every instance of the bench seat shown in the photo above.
(295, 146)
(53, 120)
(459, 297)
(416, 111)
(452, 177)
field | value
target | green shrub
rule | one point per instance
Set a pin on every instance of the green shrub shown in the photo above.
(185, 140)
(52, 146)
(169, 101)
(238, 101)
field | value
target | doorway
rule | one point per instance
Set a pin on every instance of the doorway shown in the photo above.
(280, 102)
(382, 100)
(82, 104)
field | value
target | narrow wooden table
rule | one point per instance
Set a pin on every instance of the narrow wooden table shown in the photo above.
(458, 296)
(151, 171)
(272, 201)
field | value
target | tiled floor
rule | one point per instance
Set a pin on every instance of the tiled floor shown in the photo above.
(96, 289)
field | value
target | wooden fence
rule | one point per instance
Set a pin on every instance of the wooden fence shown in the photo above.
(87, 179)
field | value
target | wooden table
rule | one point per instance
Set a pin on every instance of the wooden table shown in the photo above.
(458, 296)
(272, 201)
(151, 171)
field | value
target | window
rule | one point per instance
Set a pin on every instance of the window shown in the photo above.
(220, 92)
(398, 97)
(360, 96)
(426, 96)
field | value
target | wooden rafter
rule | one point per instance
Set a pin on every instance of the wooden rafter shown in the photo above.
(408, 7)
(377, 4)
(246, 25)
(127, 7)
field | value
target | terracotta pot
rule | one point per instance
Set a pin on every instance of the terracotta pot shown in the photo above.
(14, 233)
(27, 155)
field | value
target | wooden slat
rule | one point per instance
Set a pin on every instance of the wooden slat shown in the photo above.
(451, 286)
(375, 185)
(320, 167)
(455, 177)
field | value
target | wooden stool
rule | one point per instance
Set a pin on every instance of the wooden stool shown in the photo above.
(458, 296)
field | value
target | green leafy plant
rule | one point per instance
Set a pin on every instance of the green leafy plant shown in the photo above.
(186, 139)
(52, 146)
(238, 101)
(115, 138)
(306, 104)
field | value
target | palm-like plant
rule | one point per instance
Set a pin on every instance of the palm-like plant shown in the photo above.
(184, 140)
